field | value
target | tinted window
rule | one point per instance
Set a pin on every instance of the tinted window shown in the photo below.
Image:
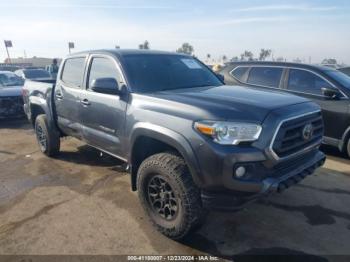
(73, 71)
(265, 76)
(306, 82)
(150, 73)
(340, 77)
(345, 70)
(239, 72)
(36, 73)
(10, 79)
(101, 68)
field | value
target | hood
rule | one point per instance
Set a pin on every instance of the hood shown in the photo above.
(227, 102)
(10, 91)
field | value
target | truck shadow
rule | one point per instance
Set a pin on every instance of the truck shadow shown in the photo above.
(255, 233)
(255, 247)
(17, 123)
(87, 155)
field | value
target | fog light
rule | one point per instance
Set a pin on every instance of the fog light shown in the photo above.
(240, 171)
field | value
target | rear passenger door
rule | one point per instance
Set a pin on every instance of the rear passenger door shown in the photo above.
(265, 76)
(67, 95)
(103, 115)
(309, 84)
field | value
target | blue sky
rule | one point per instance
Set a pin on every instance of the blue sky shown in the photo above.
(298, 28)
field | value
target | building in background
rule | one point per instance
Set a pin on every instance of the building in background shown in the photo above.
(34, 61)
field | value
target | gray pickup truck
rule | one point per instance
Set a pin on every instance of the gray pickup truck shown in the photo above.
(190, 142)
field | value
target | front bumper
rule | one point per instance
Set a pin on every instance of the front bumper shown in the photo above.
(293, 173)
(11, 107)
(223, 189)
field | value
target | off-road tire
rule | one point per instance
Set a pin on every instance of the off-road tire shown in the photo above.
(172, 169)
(51, 145)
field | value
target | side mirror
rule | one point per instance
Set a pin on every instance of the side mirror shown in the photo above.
(330, 93)
(221, 77)
(106, 85)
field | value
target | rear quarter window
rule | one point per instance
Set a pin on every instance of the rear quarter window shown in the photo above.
(239, 72)
(73, 71)
(265, 76)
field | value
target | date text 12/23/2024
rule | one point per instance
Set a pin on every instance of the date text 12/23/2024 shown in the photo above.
(173, 258)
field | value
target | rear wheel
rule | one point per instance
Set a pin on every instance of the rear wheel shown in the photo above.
(48, 138)
(169, 196)
(348, 148)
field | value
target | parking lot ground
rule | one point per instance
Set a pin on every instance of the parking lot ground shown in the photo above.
(80, 203)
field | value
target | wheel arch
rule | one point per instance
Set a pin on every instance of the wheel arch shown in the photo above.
(37, 106)
(162, 139)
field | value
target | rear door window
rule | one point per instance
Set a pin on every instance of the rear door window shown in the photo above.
(239, 72)
(73, 71)
(265, 76)
(306, 82)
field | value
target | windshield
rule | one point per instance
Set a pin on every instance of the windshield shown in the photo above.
(152, 73)
(36, 73)
(340, 77)
(10, 79)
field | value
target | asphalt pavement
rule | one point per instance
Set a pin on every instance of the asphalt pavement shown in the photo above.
(81, 203)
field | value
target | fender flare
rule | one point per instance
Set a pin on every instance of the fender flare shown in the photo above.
(44, 105)
(167, 136)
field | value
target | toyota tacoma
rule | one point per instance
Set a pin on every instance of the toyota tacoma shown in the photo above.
(189, 142)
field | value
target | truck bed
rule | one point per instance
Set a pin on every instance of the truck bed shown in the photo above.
(38, 92)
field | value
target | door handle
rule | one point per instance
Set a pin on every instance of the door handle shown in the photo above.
(85, 102)
(59, 95)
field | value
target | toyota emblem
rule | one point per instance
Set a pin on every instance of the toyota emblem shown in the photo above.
(308, 132)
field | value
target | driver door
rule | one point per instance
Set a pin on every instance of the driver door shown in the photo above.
(103, 115)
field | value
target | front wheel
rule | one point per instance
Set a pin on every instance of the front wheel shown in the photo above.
(169, 196)
(48, 139)
(348, 148)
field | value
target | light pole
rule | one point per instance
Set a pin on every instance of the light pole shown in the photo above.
(8, 43)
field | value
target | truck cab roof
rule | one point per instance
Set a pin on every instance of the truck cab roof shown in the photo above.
(124, 52)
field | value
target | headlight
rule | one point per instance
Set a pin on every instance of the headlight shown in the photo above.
(229, 133)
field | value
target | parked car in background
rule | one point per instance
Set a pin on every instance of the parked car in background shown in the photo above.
(33, 73)
(328, 87)
(334, 66)
(345, 70)
(11, 102)
(10, 68)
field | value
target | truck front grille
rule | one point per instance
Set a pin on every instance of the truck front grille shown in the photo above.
(11, 106)
(295, 135)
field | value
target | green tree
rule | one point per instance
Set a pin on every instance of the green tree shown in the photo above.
(186, 48)
(264, 53)
(247, 55)
(234, 59)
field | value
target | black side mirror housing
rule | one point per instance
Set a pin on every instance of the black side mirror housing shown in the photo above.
(330, 93)
(105, 85)
(221, 77)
